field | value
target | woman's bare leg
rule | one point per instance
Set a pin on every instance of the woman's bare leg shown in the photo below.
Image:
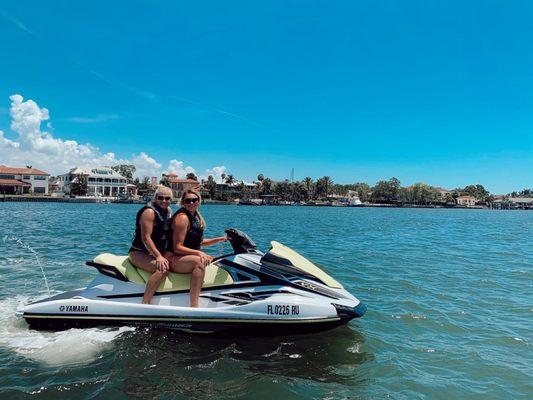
(190, 265)
(147, 262)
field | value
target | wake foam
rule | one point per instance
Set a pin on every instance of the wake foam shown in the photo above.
(73, 346)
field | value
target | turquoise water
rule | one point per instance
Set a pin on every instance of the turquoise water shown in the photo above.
(449, 296)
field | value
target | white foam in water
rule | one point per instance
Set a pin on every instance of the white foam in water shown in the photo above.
(353, 349)
(73, 346)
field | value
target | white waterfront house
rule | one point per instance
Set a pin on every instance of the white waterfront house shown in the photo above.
(18, 180)
(466, 201)
(102, 181)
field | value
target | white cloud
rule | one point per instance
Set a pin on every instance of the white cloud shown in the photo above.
(215, 172)
(8, 143)
(26, 119)
(40, 148)
(146, 165)
(178, 168)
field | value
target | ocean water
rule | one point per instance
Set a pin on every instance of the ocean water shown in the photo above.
(449, 296)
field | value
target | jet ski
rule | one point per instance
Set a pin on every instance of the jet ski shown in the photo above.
(246, 291)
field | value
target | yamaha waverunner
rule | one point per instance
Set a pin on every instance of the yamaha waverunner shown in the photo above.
(277, 292)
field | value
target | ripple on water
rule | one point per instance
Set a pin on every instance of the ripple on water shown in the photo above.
(448, 295)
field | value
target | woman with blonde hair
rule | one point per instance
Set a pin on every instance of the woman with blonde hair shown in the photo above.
(149, 247)
(188, 228)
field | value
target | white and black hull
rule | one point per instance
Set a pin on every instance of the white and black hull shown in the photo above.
(261, 299)
(258, 310)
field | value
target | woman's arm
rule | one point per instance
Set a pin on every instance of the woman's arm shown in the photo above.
(212, 241)
(147, 227)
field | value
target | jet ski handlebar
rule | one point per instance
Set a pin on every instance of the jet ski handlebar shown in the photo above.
(240, 241)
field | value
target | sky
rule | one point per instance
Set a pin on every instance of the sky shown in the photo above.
(439, 92)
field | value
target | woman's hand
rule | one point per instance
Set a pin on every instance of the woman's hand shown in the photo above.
(223, 238)
(161, 264)
(205, 258)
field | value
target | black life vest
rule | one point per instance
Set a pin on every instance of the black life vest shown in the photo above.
(161, 233)
(195, 233)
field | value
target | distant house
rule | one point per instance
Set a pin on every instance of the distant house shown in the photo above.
(466, 201)
(102, 181)
(236, 190)
(443, 193)
(521, 202)
(225, 190)
(17, 180)
(179, 185)
(512, 203)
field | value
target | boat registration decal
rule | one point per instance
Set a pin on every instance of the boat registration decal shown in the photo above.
(76, 309)
(283, 309)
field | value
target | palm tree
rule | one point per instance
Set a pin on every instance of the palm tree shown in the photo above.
(308, 182)
(191, 175)
(300, 191)
(328, 182)
(211, 186)
(230, 179)
(260, 177)
(243, 192)
(266, 186)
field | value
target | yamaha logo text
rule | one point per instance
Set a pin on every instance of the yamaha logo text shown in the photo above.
(77, 309)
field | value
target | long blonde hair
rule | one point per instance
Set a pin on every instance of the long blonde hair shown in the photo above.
(196, 193)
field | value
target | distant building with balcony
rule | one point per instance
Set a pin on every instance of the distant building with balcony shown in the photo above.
(101, 181)
(23, 180)
(236, 190)
(179, 185)
(466, 201)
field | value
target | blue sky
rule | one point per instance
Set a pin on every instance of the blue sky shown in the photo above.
(439, 92)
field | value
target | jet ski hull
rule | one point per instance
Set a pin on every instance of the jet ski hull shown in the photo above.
(221, 326)
(248, 291)
(248, 310)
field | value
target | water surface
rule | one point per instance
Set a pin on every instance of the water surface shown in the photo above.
(449, 296)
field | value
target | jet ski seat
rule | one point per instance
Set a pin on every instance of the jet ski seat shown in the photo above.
(214, 275)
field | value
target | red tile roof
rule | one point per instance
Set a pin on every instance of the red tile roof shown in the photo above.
(21, 171)
(13, 182)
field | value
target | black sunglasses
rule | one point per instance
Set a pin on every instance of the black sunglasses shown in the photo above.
(191, 200)
(167, 198)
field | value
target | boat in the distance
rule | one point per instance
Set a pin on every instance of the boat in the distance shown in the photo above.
(247, 291)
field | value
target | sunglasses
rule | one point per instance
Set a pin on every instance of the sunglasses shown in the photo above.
(191, 200)
(167, 198)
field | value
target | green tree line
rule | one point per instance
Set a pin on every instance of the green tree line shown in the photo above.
(384, 191)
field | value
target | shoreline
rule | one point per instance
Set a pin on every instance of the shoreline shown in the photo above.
(110, 200)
